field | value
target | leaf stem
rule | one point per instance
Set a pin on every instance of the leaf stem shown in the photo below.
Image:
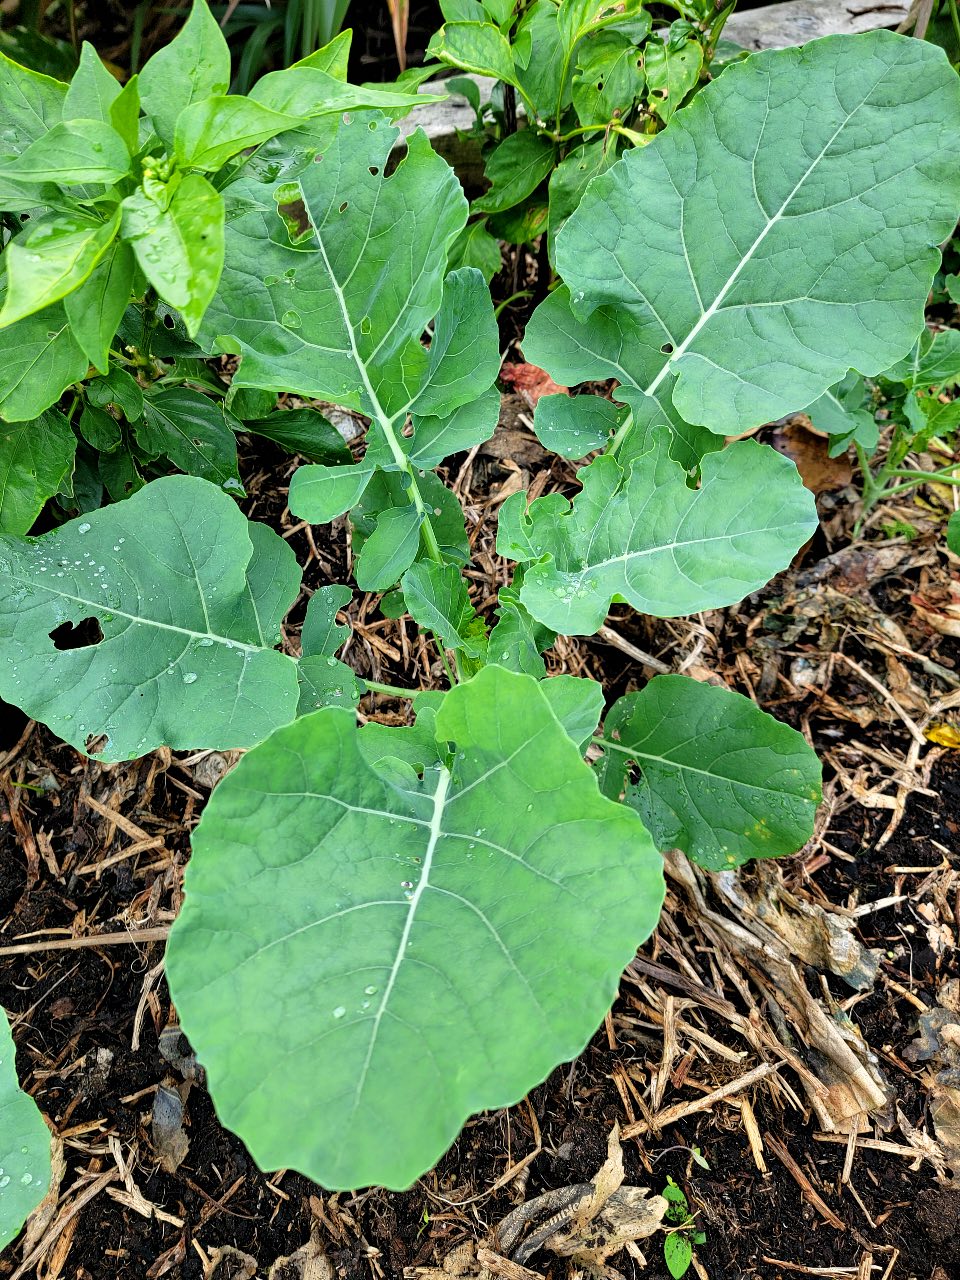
(613, 444)
(954, 18)
(392, 691)
(446, 664)
(947, 474)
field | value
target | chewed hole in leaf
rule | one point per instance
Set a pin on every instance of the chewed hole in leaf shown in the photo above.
(96, 742)
(667, 349)
(169, 321)
(293, 211)
(345, 206)
(81, 635)
(374, 171)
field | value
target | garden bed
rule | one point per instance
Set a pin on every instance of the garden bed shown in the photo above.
(93, 850)
(775, 1049)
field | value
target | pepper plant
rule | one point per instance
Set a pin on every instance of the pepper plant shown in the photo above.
(389, 928)
(113, 235)
(591, 78)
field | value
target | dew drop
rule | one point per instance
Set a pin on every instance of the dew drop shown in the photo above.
(339, 1011)
(189, 677)
(369, 991)
(406, 884)
(83, 528)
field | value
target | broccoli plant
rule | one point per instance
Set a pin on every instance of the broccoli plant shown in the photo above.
(391, 927)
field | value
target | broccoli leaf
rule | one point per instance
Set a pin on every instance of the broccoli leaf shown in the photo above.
(391, 953)
(719, 778)
(152, 622)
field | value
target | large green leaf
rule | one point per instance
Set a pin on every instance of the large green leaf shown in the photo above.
(179, 244)
(35, 459)
(333, 272)
(643, 535)
(309, 297)
(719, 778)
(195, 432)
(72, 153)
(388, 954)
(93, 90)
(52, 259)
(789, 219)
(39, 359)
(24, 1145)
(194, 65)
(30, 104)
(187, 596)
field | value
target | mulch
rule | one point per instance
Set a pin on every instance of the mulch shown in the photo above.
(773, 1023)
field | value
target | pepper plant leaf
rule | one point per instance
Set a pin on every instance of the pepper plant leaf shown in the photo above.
(30, 105)
(36, 458)
(194, 431)
(52, 259)
(72, 153)
(305, 431)
(194, 65)
(39, 359)
(313, 91)
(93, 90)
(644, 536)
(327, 897)
(719, 778)
(179, 243)
(474, 46)
(96, 307)
(790, 217)
(212, 130)
(153, 621)
(24, 1145)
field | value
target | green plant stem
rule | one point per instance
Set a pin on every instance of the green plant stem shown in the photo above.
(523, 293)
(374, 686)
(576, 133)
(872, 485)
(616, 440)
(946, 474)
(446, 665)
(954, 18)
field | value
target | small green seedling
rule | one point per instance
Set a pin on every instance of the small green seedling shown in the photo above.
(682, 1234)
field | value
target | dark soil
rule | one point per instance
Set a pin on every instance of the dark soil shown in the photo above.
(76, 1011)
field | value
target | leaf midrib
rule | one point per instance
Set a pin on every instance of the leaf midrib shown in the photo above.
(716, 305)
